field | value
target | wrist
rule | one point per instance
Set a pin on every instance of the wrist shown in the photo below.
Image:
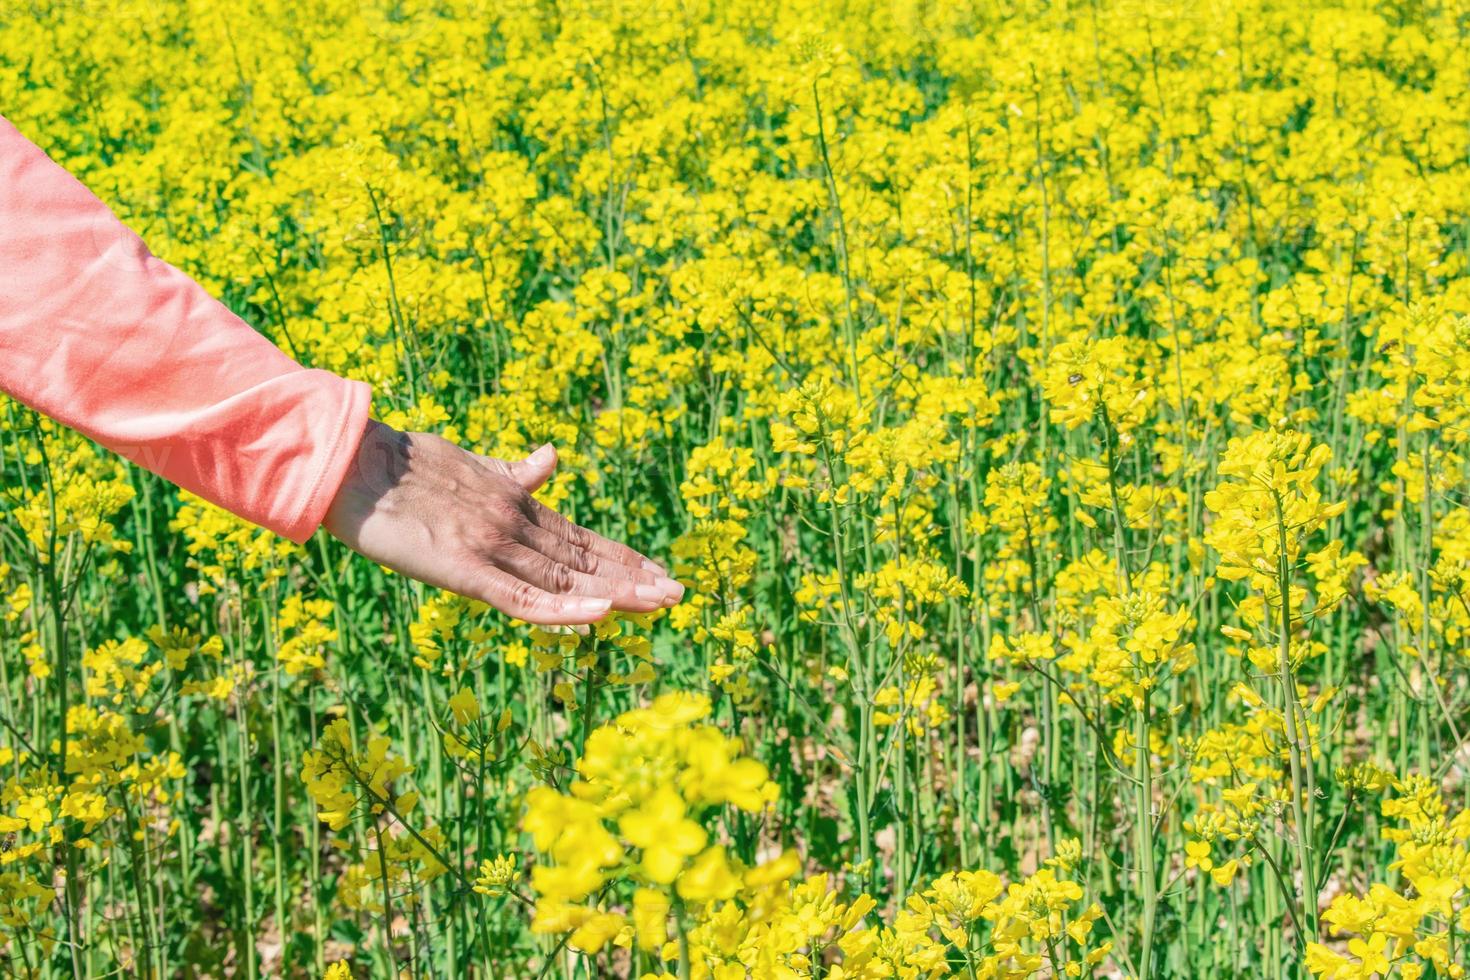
(378, 465)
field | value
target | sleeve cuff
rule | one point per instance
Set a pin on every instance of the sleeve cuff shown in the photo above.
(345, 434)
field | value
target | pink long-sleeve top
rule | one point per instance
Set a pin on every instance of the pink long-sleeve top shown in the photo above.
(105, 338)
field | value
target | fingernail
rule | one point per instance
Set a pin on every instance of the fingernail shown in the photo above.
(649, 593)
(540, 453)
(671, 590)
(591, 607)
(649, 565)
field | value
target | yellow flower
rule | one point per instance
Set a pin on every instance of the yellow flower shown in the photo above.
(464, 707)
(665, 834)
(1224, 874)
(709, 878)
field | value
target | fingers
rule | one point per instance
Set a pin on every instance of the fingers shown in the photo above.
(533, 471)
(551, 576)
(519, 598)
(580, 560)
(549, 520)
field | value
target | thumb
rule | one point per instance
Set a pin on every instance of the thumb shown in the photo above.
(535, 469)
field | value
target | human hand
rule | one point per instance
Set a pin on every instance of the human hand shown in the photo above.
(466, 523)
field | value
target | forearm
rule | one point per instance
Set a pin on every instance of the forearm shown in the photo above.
(104, 337)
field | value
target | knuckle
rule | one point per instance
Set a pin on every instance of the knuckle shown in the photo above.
(494, 466)
(559, 577)
(583, 561)
(525, 595)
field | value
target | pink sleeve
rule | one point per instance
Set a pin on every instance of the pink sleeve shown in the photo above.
(109, 340)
